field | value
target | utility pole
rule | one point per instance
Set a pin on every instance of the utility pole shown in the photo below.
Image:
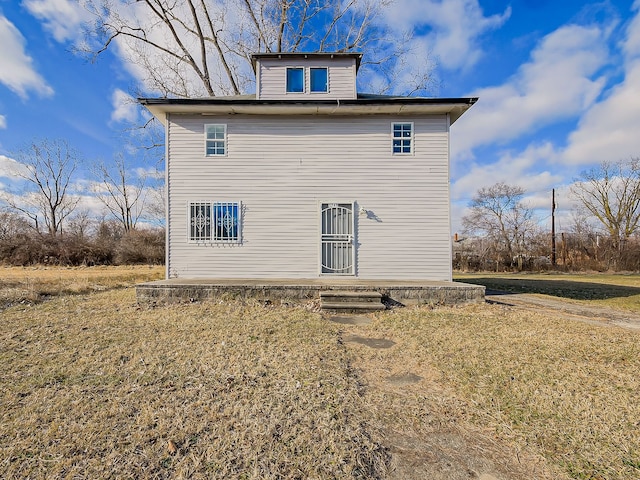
(553, 227)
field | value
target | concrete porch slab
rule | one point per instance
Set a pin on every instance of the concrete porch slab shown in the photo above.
(405, 292)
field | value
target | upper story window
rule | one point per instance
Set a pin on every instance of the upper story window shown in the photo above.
(402, 138)
(215, 139)
(295, 80)
(318, 80)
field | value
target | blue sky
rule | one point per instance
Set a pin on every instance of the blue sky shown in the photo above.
(559, 88)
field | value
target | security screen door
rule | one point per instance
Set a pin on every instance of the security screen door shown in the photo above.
(336, 243)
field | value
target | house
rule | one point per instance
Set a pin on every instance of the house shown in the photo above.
(308, 179)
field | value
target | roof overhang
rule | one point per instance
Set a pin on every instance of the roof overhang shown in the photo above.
(455, 107)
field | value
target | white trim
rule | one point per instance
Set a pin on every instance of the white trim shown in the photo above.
(213, 240)
(450, 279)
(286, 80)
(354, 242)
(167, 248)
(224, 140)
(412, 139)
(311, 92)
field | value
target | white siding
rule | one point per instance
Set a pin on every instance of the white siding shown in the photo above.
(272, 79)
(281, 168)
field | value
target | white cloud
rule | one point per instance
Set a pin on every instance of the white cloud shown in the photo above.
(124, 107)
(525, 169)
(451, 28)
(63, 18)
(556, 84)
(149, 172)
(3, 122)
(631, 45)
(9, 168)
(609, 130)
(16, 67)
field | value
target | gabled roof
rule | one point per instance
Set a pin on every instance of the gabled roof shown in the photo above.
(300, 55)
(365, 104)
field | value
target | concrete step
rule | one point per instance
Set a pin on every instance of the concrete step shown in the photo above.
(343, 307)
(345, 301)
(348, 296)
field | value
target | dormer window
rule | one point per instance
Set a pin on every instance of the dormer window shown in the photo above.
(318, 79)
(295, 80)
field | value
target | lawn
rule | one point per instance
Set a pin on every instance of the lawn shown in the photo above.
(95, 386)
(32, 284)
(610, 290)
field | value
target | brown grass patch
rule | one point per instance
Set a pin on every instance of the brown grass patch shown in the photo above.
(563, 389)
(94, 386)
(97, 387)
(32, 284)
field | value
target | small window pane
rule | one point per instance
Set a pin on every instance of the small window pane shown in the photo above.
(200, 224)
(226, 221)
(295, 80)
(215, 131)
(215, 139)
(318, 79)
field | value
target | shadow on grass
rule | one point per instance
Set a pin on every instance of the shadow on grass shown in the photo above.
(556, 288)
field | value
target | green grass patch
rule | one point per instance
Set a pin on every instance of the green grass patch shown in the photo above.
(614, 291)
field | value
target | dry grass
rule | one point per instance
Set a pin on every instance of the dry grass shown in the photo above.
(32, 284)
(564, 389)
(96, 387)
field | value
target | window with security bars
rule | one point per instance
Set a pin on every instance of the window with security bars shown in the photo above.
(214, 222)
(402, 138)
(215, 139)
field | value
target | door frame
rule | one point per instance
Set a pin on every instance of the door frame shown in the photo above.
(351, 239)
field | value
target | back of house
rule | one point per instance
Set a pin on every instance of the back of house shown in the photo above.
(307, 178)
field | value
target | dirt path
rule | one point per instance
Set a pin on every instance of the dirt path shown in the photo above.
(423, 425)
(567, 309)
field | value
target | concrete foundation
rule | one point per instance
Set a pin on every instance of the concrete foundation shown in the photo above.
(279, 291)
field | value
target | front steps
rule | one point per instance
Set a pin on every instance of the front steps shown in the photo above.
(337, 301)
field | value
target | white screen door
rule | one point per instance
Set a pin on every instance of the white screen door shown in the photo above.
(336, 241)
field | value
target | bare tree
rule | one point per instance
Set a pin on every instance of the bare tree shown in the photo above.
(498, 213)
(124, 199)
(611, 193)
(49, 167)
(195, 48)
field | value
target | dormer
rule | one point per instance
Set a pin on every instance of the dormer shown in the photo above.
(306, 76)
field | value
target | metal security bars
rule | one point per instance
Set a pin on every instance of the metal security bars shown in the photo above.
(214, 222)
(336, 244)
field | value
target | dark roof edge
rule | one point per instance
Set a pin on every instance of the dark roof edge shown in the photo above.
(357, 101)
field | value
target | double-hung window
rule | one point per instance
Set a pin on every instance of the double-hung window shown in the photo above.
(214, 222)
(295, 80)
(215, 139)
(402, 138)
